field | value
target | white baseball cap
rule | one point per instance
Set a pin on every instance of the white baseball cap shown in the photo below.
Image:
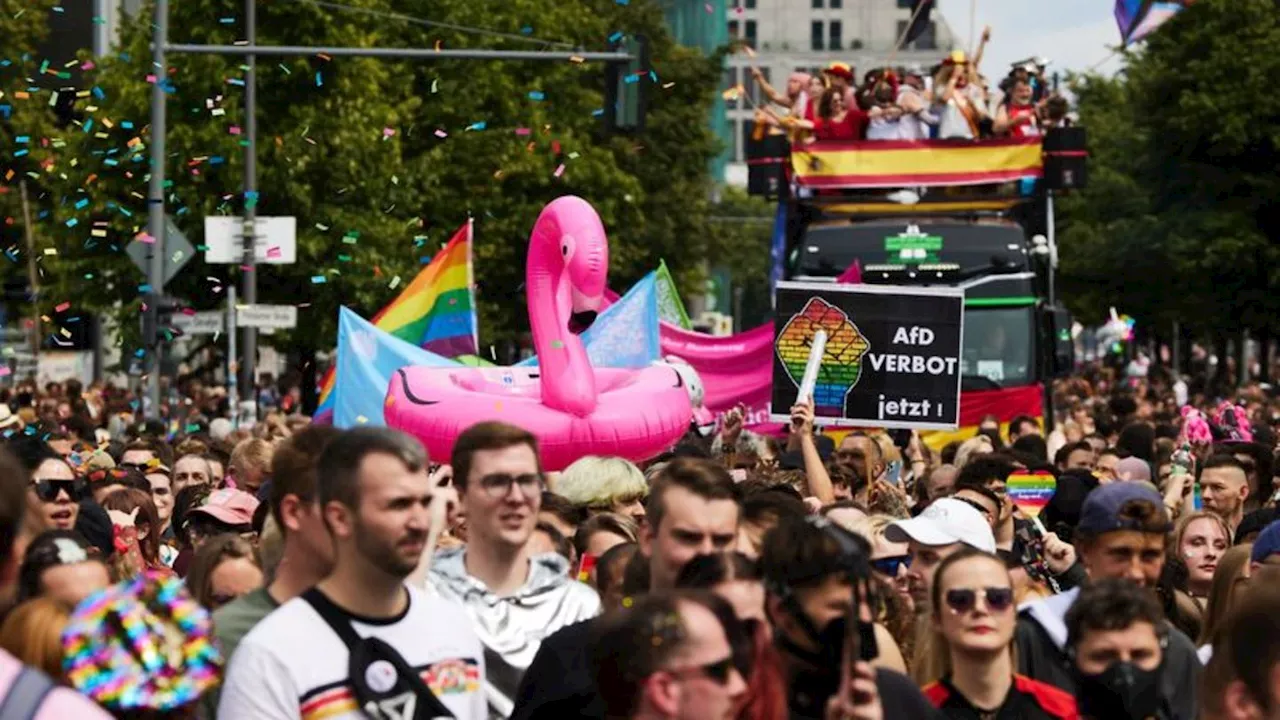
(945, 522)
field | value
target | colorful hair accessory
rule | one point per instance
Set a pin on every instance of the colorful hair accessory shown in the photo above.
(1195, 428)
(144, 644)
(1232, 423)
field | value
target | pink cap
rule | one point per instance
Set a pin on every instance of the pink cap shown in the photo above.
(233, 507)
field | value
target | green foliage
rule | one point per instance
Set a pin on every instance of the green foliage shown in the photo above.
(380, 160)
(1174, 225)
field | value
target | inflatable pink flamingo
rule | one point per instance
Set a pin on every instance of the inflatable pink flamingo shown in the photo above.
(573, 408)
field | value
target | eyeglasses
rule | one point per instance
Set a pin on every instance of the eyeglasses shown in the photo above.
(963, 600)
(498, 485)
(160, 491)
(891, 566)
(718, 671)
(140, 467)
(48, 490)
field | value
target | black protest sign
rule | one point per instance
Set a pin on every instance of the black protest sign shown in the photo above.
(892, 356)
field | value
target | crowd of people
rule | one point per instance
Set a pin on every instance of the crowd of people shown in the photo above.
(953, 101)
(295, 570)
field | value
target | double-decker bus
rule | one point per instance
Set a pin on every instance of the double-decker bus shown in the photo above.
(969, 214)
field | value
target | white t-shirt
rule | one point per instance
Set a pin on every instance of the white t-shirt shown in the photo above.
(293, 666)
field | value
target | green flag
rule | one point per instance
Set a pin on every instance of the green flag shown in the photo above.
(670, 308)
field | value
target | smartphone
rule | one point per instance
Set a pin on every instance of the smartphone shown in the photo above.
(586, 566)
(893, 472)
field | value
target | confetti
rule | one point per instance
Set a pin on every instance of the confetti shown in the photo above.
(318, 280)
(536, 96)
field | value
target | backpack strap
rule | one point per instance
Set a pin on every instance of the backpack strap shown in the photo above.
(342, 626)
(26, 695)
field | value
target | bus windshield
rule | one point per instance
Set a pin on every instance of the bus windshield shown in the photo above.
(998, 350)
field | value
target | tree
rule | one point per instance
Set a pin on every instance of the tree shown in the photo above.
(380, 160)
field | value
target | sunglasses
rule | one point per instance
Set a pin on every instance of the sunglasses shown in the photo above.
(98, 476)
(48, 490)
(498, 485)
(718, 671)
(890, 566)
(964, 600)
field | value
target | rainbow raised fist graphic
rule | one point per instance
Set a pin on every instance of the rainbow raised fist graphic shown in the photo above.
(841, 361)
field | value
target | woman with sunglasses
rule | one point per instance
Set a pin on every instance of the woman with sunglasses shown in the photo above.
(973, 620)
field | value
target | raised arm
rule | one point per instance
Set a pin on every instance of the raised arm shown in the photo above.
(773, 95)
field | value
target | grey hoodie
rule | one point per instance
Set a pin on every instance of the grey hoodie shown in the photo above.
(512, 627)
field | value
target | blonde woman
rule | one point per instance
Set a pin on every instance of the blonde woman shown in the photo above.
(1229, 581)
(977, 445)
(973, 620)
(1199, 541)
(33, 633)
(605, 484)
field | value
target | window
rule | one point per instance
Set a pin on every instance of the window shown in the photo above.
(733, 30)
(815, 35)
(907, 4)
(836, 29)
(835, 4)
(730, 78)
(749, 33)
(749, 4)
(817, 4)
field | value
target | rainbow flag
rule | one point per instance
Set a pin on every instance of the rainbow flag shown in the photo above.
(903, 163)
(437, 311)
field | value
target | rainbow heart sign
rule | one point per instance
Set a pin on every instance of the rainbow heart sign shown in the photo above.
(1031, 491)
(841, 360)
(891, 357)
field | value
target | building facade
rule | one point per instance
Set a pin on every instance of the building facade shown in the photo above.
(790, 35)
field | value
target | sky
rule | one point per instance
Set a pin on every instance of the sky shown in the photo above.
(1074, 34)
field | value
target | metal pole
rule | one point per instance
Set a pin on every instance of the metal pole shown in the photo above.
(249, 271)
(1053, 246)
(233, 367)
(403, 53)
(33, 274)
(155, 210)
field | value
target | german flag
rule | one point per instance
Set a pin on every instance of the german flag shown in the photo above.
(906, 163)
(1005, 404)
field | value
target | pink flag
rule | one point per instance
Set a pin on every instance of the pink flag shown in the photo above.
(852, 275)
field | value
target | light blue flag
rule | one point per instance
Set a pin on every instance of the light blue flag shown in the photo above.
(367, 358)
(626, 334)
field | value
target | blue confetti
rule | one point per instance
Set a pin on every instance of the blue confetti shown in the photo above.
(22, 139)
(82, 204)
(536, 95)
(318, 280)
(615, 37)
(319, 80)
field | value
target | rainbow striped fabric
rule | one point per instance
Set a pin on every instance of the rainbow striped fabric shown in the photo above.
(1031, 491)
(436, 311)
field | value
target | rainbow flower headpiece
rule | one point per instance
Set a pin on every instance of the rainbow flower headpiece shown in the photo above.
(143, 644)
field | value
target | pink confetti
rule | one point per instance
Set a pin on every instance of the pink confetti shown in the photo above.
(4, 370)
(273, 251)
(559, 171)
(88, 65)
(234, 129)
(145, 238)
(441, 134)
(388, 132)
(61, 306)
(151, 79)
(522, 131)
(708, 8)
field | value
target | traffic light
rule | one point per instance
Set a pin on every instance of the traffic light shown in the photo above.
(627, 85)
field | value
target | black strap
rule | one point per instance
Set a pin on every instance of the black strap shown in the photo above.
(341, 625)
(26, 695)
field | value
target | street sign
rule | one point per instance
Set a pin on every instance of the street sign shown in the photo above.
(276, 241)
(267, 317)
(210, 322)
(178, 251)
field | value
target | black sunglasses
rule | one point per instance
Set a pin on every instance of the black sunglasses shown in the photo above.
(48, 490)
(891, 565)
(498, 485)
(963, 600)
(718, 671)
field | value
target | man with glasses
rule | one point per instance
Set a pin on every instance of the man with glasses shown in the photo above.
(514, 599)
(670, 655)
(140, 454)
(944, 528)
